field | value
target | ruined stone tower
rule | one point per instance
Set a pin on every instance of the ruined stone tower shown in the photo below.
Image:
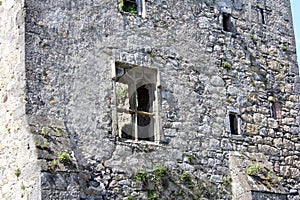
(148, 99)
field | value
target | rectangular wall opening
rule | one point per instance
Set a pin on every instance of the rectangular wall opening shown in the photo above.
(234, 123)
(130, 6)
(276, 110)
(227, 24)
(135, 7)
(136, 91)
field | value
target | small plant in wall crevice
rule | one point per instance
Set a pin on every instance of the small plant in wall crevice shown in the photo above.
(17, 172)
(186, 177)
(22, 186)
(226, 181)
(65, 158)
(152, 195)
(160, 171)
(226, 65)
(254, 169)
(141, 176)
(285, 47)
(41, 144)
(53, 165)
(262, 174)
(130, 198)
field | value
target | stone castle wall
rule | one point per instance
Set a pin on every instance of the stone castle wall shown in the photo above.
(205, 74)
(19, 171)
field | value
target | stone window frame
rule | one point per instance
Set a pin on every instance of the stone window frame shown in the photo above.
(228, 126)
(157, 130)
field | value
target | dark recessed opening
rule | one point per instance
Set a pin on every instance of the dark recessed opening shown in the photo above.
(262, 16)
(276, 110)
(233, 120)
(272, 109)
(130, 6)
(144, 103)
(143, 99)
(227, 24)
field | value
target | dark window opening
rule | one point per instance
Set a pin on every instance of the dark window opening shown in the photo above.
(143, 99)
(262, 16)
(233, 120)
(227, 24)
(130, 6)
(276, 110)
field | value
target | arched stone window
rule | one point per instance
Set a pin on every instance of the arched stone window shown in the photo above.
(136, 92)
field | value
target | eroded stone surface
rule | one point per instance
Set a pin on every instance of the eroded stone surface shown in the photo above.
(66, 55)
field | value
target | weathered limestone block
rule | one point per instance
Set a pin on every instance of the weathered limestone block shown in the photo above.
(288, 144)
(259, 119)
(214, 144)
(293, 98)
(217, 81)
(297, 146)
(266, 149)
(278, 142)
(287, 129)
(288, 121)
(293, 112)
(272, 123)
(285, 171)
(226, 145)
(290, 160)
(258, 140)
(251, 129)
(289, 104)
(247, 118)
(288, 88)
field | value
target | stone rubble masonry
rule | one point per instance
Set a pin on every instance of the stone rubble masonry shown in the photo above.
(57, 99)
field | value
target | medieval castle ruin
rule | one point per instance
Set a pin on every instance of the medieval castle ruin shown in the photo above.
(148, 99)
